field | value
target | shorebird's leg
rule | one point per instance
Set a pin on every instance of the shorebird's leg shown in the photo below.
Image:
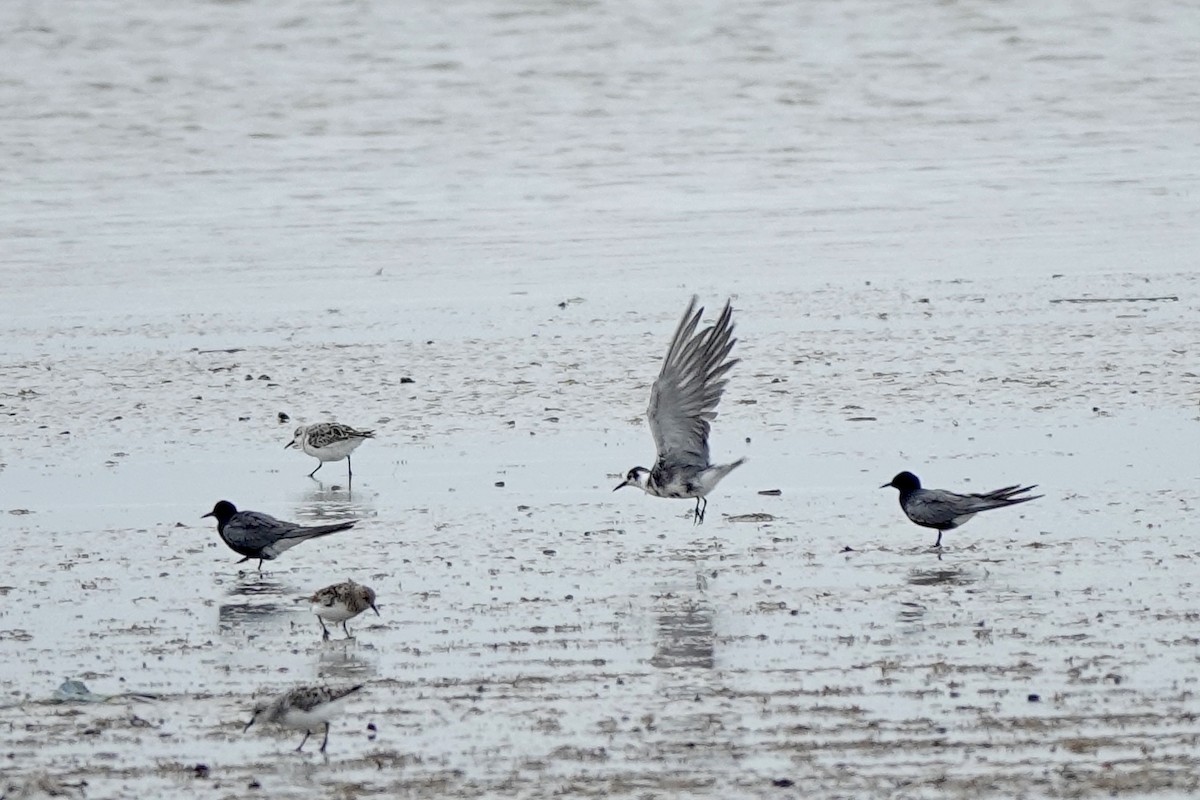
(349, 469)
(319, 465)
(938, 543)
(326, 741)
(700, 509)
(347, 630)
(324, 630)
(302, 741)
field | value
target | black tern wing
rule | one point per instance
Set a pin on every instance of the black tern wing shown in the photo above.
(683, 400)
(937, 508)
(1008, 495)
(253, 530)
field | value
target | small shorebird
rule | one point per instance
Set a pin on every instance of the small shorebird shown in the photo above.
(943, 511)
(304, 708)
(683, 401)
(342, 602)
(329, 441)
(256, 535)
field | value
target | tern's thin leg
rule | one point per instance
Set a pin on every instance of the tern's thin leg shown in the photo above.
(324, 630)
(319, 465)
(302, 741)
(326, 737)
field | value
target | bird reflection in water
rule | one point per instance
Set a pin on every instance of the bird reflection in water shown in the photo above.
(685, 634)
(344, 660)
(243, 610)
(947, 576)
(322, 502)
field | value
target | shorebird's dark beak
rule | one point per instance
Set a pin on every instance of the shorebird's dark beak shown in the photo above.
(886, 485)
(209, 514)
(292, 443)
(251, 722)
(376, 610)
(623, 484)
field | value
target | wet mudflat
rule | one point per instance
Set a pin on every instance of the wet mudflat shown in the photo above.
(545, 637)
(472, 228)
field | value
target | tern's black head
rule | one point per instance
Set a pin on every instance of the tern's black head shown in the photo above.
(635, 477)
(223, 511)
(905, 482)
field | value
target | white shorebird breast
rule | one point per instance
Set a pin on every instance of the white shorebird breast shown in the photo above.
(334, 451)
(338, 612)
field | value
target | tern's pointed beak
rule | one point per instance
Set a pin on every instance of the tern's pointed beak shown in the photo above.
(209, 514)
(623, 484)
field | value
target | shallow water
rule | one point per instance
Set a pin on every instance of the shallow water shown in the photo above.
(231, 211)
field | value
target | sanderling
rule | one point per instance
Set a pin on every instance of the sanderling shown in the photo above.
(304, 709)
(682, 402)
(329, 441)
(942, 510)
(342, 602)
(255, 535)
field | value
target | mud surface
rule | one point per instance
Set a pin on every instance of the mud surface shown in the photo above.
(548, 637)
(478, 244)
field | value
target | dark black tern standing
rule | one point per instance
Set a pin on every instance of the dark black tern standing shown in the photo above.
(256, 535)
(943, 511)
(683, 401)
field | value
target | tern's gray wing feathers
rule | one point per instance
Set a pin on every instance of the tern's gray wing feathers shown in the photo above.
(939, 508)
(684, 398)
(254, 530)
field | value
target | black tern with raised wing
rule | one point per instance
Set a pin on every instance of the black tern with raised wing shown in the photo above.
(256, 535)
(683, 401)
(943, 511)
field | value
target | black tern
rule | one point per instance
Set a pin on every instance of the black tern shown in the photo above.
(255, 535)
(304, 708)
(329, 441)
(683, 401)
(943, 511)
